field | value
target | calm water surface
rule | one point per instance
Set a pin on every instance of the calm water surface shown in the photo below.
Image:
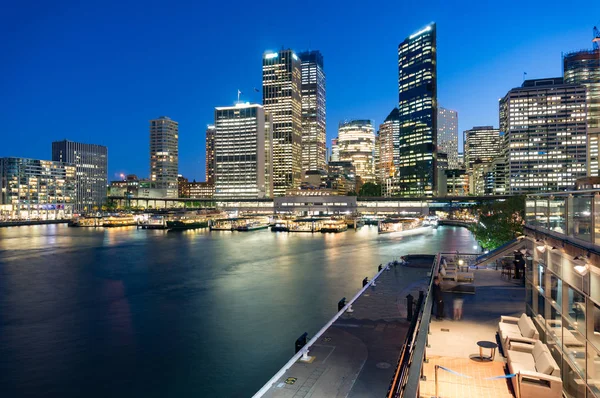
(126, 312)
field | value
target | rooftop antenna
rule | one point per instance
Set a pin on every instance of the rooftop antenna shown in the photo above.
(239, 93)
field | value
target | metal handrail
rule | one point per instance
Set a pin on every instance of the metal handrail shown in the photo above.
(304, 349)
(407, 376)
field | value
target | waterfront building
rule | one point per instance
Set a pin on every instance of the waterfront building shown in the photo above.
(447, 135)
(210, 154)
(282, 79)
(335, 151)
(388, 146)
(544, 123)
(201, 190)
(183, 190)
(482, 144)
(417, 105)
(91, 161)
(583, 67)
(164, 155)
(356, 142)
(457, 182)
(37, 189)
(313, 111)
(240, 155)
(562, 282)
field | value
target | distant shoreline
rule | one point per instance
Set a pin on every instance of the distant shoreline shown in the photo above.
(34, 222)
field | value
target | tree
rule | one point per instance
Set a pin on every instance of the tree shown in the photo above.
(499, 222)
(370, 189)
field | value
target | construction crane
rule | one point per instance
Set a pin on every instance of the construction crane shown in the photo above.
(596, 39)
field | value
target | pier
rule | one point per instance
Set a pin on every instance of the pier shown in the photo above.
(356, 353)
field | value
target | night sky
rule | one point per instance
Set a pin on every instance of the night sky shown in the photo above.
(98, 71)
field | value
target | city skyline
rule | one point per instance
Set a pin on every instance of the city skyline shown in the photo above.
(352, 92)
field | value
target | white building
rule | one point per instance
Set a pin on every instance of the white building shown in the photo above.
(242, 149)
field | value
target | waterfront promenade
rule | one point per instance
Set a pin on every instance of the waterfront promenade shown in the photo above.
(357, 355)
(33, 222)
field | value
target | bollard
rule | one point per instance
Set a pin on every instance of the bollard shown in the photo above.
(437, 392)
(409, 307)
(341, 304)
(380, 267)
(373, 283)
(350, 308)
(301, 342)
(365, 281)
(305, 357)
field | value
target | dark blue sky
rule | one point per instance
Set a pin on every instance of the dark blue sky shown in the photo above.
(97, 71)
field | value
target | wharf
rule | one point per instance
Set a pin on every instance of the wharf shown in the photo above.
(31, 222)
(357, 355)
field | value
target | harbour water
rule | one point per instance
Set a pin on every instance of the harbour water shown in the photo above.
(124, 312)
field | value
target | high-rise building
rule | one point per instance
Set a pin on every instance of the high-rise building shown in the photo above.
(544, 123)
(164, 155)
(91, 161)
(482, 144)
(282, 79)
(417, 105)
(356, 142)
(210, 154)
(37, 189)
(313, 111)
(583, 67)
(388, 146)
(335, 151)
(461, 159)
(447, 135)
(240, 155)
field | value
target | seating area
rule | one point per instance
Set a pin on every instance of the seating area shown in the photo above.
(537, 373)
(453, 269)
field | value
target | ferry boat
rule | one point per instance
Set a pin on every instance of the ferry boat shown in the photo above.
(334, 226)
(252, 226)
(126, 220)
(403, 226)
(306, 225)
(431, 220)
(85, 222)
(187, 222)
(154, 222)
(280, 226)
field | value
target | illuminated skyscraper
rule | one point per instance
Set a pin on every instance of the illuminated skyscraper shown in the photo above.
(210, 154)
(164, 155)
(335, 151)
(240, 156)
(583, 67)
(91, 161)
(356, 142)
(417, 105)
(281, 98)
(482, 145)
(313, 111)
(545, 129)
(388, 146)
(447, 135)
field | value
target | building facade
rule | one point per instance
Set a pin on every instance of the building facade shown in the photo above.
(447, 135)
(314, 145)
(164, 155)
(210, 154)
(417, 105)
(482, 145)
(544, 123)
(201, 190)
(356, 143)
(91, 161)
(282, 80)
(583, 67)
(562, 283)
(388, 136)
(37, 189)
(335, 151)
(240, 155)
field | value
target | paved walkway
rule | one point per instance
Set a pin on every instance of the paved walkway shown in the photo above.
(454, 342)
(357, 355)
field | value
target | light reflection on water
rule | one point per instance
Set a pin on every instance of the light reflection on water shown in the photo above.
(127, 312)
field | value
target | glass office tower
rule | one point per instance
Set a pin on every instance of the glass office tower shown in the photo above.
(91, 161)
(164, 155)
(417, 105)
(282, 79)
(583, 67)
(356, 144)
(482, 145)
(313, 111)
(447, 135)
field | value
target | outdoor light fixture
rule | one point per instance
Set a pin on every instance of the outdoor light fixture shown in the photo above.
(582, 269)
(460, 262)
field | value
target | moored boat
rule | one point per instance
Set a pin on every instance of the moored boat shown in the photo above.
(334, 226)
